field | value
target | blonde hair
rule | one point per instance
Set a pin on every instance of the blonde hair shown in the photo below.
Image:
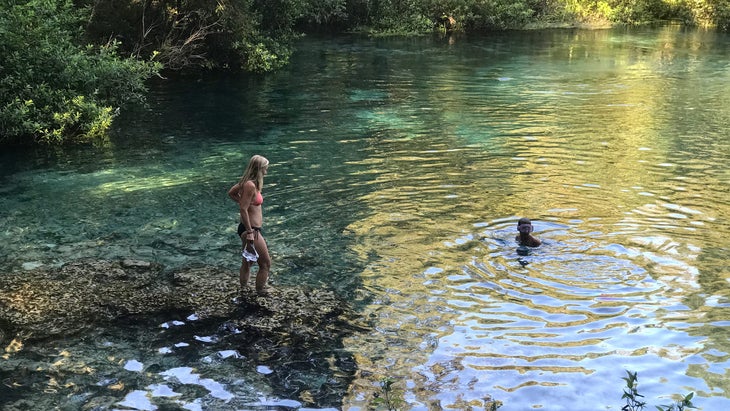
(255, 171)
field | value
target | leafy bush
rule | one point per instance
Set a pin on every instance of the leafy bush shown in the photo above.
(412, 16)
(499, 14)
(690, 12)
(51, 89)
(709, 12)
(253, 35)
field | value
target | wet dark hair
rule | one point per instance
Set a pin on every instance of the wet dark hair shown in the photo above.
(526, 223)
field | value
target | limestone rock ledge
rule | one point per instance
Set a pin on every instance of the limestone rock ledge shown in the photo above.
(58, 302)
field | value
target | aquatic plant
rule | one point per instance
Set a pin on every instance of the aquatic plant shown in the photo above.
(634, 402)
(631, 393)
(389, 397)
(685, 402)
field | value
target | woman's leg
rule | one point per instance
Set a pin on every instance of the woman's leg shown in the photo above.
(264, 262)
(245, 271)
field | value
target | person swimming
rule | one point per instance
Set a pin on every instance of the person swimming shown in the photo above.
(525, 238)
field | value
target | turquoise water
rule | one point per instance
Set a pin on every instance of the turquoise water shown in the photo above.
(398, 171)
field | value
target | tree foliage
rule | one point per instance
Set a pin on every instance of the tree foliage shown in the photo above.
(51, 88)
(253, 35)
(690, 12)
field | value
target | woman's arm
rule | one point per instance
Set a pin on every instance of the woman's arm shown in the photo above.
(234, 193)
(246, 195)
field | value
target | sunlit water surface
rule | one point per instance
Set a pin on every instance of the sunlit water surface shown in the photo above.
(399, 169)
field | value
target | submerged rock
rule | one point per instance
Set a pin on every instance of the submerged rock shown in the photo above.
(58, 302)
(291, 337)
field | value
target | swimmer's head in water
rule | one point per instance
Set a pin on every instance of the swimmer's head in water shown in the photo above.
(524, 226)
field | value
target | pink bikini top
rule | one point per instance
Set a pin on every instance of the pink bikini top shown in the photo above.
(258, 200)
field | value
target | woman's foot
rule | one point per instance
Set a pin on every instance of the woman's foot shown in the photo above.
(267, 290)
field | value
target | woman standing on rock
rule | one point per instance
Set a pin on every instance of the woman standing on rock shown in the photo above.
(247, 193)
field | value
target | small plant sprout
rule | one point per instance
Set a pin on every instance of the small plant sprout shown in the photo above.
(389, 397)
(631, 393)
(633, 402)
(681, 405)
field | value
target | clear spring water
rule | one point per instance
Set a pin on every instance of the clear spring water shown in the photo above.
(399, 169)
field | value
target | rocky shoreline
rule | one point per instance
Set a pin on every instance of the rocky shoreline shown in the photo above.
(58, 302)
(289, 325)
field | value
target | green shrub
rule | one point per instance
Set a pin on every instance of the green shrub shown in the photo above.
(53, 90)
(499, 14)
(709, 12)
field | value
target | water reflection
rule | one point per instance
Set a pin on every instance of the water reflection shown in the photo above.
(625, 232)
(579, 308)
(399, 169)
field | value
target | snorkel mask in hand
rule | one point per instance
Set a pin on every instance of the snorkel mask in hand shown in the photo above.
(249, 253)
